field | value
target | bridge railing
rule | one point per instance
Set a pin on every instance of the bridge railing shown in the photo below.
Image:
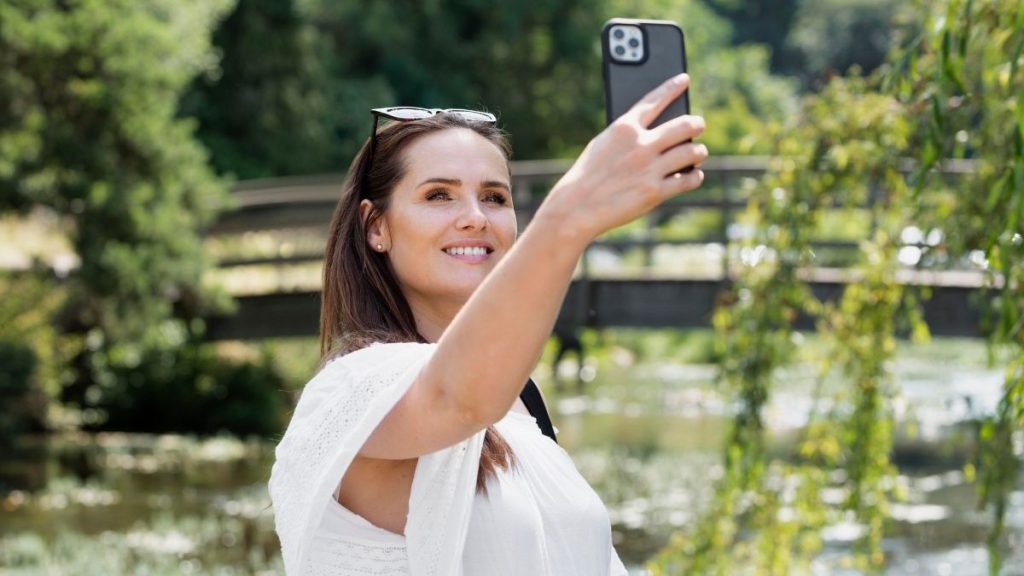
(308, 202)
(680, 294)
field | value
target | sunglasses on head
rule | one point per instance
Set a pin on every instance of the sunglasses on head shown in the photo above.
(410, 113)
(406, 113)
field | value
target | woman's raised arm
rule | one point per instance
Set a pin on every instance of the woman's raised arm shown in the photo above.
(494, 342)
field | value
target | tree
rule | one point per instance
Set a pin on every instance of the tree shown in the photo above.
(298, 80)
(832, 36)
(88, 130)
(534, 63)
(765, 22)
(267, 109)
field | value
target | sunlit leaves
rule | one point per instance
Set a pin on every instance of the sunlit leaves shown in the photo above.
(968, 74)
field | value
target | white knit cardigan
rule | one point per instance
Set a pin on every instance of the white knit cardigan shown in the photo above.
(338, 410)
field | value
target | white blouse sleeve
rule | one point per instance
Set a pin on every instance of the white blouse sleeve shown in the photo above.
(338, 410)
(440, 507)
(615, 567)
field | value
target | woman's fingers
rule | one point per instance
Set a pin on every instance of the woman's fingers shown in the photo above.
(680, 182)
(678, 130)
(674, 160)
(650, 106)
(678, 157)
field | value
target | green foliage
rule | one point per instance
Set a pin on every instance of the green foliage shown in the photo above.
(267, 108)
(17, 413)
(963, 83)
(303, 106)
(692, 224)
(832, 37)
(88, 95)
(29, 359)
(186, 387)
(766, 22)
(840, 149)
(814, 41)
(88, 100)
(657, 346)
(954, 93)
(520, 59)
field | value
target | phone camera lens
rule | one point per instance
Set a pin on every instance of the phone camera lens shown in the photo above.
(634, 43)
(619, 51)
(618, 34)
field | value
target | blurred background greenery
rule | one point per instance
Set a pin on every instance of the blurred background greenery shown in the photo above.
(139, 446)
(125, 123)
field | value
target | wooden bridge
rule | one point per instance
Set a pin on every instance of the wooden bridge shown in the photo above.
(672, 296)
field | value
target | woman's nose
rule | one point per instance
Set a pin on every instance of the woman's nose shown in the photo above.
(472, 216)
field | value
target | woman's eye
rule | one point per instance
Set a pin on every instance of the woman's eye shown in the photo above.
(497, 198)
(438, 194)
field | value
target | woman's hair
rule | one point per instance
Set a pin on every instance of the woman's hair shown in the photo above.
(362, 301)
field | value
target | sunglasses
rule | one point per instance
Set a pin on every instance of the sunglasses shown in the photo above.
(410, 113)
(407, 113)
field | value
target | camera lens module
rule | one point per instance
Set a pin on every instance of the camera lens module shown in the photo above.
(625, 44)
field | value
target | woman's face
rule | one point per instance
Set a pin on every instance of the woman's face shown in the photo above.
(450, 219)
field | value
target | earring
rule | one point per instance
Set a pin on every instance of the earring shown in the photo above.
(380, 247)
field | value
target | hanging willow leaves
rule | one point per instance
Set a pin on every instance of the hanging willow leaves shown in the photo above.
(768, 514)
(953, 93)
(977, 95)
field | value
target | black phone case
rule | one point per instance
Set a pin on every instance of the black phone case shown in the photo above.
(626, 83)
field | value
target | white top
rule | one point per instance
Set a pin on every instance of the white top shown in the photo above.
(539, 517)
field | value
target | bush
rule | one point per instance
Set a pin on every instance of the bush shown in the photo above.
(187, 388)
(22, 404)
(30, 358)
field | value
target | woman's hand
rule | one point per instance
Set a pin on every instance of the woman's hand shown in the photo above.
(628, 169)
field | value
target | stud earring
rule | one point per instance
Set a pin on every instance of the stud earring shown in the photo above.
(380, 247)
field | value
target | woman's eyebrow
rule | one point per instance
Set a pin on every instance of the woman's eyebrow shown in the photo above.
(498, 184)
(456, 182)
(445, 181)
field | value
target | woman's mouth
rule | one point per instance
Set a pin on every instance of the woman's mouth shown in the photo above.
(470, 254)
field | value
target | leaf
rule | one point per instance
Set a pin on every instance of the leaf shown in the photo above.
(1018, 197)
(997, 191)
(968, 11)
(944, 51)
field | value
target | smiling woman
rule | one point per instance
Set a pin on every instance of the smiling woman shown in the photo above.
(413, 449)
(449, 221)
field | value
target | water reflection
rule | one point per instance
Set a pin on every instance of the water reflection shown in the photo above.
(117, 503)
(646, 434)
(651, 446)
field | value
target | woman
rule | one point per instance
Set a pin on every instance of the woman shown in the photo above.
(410, 451)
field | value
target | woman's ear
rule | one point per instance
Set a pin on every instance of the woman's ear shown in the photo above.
(375, 226)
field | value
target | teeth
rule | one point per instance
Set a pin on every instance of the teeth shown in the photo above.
(470, 251)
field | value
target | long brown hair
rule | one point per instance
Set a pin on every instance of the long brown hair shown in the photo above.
(362, 301)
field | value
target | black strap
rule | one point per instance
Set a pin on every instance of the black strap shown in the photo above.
(535, 404)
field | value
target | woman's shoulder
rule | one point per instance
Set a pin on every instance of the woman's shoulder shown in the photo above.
(375, 355)
(360, 375)
(374, 365)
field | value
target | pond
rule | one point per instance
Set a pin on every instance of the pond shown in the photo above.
(646, 432)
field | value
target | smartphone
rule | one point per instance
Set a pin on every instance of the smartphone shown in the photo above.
(638, 56)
